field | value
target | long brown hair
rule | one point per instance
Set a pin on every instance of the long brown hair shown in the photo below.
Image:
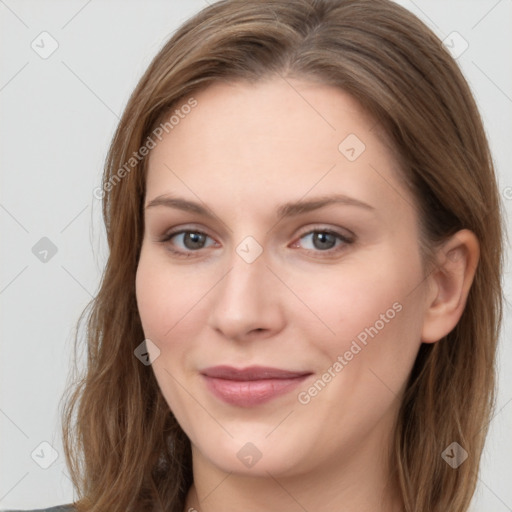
(123, 446)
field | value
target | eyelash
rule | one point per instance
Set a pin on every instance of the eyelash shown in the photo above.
(328, 253)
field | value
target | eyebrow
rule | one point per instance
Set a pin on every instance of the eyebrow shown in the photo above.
(289, 209)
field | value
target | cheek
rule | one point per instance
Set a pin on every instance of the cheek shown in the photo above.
(348, 301)
(166, 306)
(163, 298)
(368, 314)
(153, 298)
(172, 305)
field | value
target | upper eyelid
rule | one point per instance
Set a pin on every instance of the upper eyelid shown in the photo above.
(314, 227)
(170, 233)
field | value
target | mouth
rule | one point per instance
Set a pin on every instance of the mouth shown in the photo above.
(248, 387)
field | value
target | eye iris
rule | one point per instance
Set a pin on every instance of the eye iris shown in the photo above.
(324, 240)
(194, 240)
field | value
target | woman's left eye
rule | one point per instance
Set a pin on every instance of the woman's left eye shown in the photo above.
(323, 241)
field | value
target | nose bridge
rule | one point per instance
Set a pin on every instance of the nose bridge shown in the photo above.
(244, 283)
(243, 302)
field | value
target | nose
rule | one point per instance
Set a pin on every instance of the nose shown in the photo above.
(247, 301)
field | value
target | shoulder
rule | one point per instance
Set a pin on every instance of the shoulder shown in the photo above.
(58, 508)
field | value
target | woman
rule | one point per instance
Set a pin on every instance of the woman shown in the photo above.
(302, 300)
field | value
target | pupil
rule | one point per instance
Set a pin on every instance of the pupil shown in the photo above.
(324, 240)
(194, 240)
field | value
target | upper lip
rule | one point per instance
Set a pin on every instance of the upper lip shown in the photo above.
(251, 373)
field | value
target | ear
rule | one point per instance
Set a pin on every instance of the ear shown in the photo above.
(449, 285)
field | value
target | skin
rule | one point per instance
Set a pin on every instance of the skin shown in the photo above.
(242, 152)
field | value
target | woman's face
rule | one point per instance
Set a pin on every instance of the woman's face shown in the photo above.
(280, 278)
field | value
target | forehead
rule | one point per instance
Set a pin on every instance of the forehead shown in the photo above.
(275, 138)
(283, 111)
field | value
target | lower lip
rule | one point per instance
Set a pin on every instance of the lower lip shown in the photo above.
(251, 392)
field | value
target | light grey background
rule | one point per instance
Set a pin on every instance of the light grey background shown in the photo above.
(57, 117)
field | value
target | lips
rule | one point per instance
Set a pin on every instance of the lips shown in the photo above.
(248, 387)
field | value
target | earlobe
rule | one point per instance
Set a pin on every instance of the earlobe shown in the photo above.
(450, 283)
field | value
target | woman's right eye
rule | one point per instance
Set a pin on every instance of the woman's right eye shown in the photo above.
(185, 242)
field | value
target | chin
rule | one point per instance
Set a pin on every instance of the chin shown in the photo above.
(254, 455)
